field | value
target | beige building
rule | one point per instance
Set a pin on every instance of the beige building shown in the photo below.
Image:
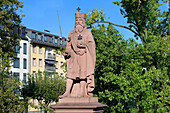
(45, 54)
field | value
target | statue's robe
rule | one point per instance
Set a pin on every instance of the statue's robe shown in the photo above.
(81, 63)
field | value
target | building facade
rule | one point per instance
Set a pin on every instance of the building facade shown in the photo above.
(20, 67)
(39, 51)
(44, 52)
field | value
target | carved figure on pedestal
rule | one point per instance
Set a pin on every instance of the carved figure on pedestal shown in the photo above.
(80, 57)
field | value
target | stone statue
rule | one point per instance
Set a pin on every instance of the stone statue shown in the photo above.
(80, 56)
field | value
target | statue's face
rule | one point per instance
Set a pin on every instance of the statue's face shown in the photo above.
(79, 21)
(79, 24)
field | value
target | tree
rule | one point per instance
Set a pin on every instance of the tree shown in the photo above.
(9, 24)
(45, 87)
(143, 16)
(9, 100)
(132, 77)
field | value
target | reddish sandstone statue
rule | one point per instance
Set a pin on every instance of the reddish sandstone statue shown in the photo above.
(80, 57)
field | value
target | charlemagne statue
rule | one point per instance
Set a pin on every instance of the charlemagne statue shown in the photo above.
(80, 56)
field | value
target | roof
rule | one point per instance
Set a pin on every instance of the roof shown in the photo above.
(27, 29)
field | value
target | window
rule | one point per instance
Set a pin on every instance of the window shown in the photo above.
(25, 48)
(34, 49)
(50, 39)
(16, 75)
(46, 50)
(40, 50)
(60, 42)
(56, 64)
(24, 63)
(16, 63)
(45, 38)
(23, 32)
(34, 61)
(56, 40)
(39, 37)
(33, 35)
(17, 49)
(40, 62)
(24, 77)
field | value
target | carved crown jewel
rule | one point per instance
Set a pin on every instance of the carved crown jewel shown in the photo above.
(80, 15)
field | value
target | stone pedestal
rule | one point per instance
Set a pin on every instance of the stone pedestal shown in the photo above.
(78, 105)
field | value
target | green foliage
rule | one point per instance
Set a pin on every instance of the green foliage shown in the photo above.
(129, 76)
(94, 16)
(9, 23)
(9, 101)
(143, 16)
(127, 88)
(45, 87)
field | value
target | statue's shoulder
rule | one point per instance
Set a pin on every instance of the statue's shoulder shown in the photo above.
(87, 31)
(71, 32)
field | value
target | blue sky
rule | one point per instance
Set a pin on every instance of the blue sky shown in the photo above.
(42, 14)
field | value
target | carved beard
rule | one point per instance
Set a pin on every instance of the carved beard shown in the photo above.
(79, 28)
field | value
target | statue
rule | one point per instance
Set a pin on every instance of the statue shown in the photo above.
(80, 57)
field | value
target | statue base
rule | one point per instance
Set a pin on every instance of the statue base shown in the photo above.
(78, 105)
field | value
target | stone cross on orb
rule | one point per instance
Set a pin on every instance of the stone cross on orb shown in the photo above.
(78, 9)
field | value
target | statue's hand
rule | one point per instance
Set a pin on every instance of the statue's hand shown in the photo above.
(66, 53)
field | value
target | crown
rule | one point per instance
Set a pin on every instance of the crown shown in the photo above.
(80, 15)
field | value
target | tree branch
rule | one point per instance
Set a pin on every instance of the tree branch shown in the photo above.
(137, 24)
(118, 26)
(134, 23)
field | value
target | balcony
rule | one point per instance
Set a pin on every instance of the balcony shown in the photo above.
(60, 43)
(50, 68)
(50, 57)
